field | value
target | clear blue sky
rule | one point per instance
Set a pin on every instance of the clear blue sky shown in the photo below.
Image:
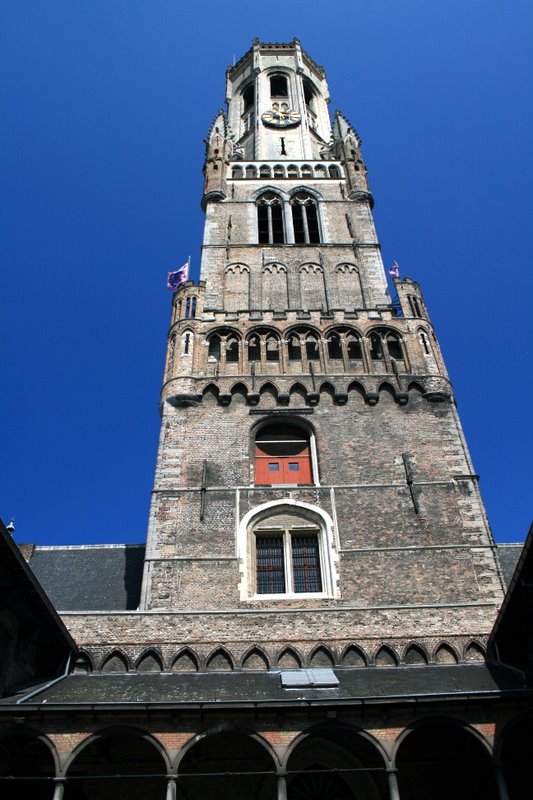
(105, 105)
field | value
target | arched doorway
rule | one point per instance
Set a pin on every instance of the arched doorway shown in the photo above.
(119, 765)
(229, 764)
(441, 759)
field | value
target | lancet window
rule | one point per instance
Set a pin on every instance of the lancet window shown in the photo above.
(305, 219)
(270, 225)
(385, 345)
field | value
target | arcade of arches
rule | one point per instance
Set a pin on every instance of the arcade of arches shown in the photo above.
(431, 760)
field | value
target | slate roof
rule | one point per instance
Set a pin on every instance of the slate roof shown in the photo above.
(508, 555)
(249, 689)
(90, 578)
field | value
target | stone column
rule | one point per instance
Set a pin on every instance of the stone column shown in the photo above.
(394, 793)
(282, 788)
(59, 788)
(171, 789)
(503, 792)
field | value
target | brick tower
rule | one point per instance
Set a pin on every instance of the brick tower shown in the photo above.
(318, 566)
(314, 501)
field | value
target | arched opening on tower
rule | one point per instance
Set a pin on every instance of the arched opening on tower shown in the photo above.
(282, 455)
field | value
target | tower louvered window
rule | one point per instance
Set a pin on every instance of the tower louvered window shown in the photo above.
(270, 219)
(305, 219)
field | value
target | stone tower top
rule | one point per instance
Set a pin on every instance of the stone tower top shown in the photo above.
(276, 91)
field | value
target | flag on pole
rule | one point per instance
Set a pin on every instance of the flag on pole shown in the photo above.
(394, 270)
(179, 277)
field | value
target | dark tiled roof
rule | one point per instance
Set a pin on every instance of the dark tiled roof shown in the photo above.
(356, 685)
(93, 578)
(508, 555)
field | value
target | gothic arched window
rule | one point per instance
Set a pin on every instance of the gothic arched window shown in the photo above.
(305, 219)
(190, 307)
(270, 226)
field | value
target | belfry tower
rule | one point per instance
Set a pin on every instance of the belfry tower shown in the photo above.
(314, 501)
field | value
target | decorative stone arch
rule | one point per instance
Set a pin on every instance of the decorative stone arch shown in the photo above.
(298, 388)
(269, 391)
(267, 189)
(237, 287)
(186, 660)
(291, 657)
(219, 660)
(211, 391)
(219, 754)
(171, 356)
(83, 663)
(321, 656)
(474, 651)
(348, 286)
(326, 387)
(356, 387)
(304, 345)
(415, 654)
(135, 753)
(224, 349)
(346, 759)
(115, 661)
(512, 752)
(312, 286)
(263, 347)
(150, 660)
(414, 386)
(388, 389)
(225, 727)
(354, 656)
(386, 656)
(255, 658)
(187, 342)
(344, 347)
(22, 748)
(445, 653)
(387, 345)
(274, 286)
(323, 529)
(443, 757)
(239, 390)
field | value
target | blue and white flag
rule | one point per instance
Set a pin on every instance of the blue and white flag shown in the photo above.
(179, 277)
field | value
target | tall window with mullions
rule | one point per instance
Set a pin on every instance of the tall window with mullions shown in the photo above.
(306, 563)
(270, 565)
(305, 219)
(270, 220)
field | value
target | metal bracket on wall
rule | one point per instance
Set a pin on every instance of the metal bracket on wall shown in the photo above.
(203, 490)
(409, 476)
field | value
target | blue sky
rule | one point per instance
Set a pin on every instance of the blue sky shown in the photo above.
(105, 108)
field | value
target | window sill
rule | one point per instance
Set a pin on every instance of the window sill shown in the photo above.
(290, 596)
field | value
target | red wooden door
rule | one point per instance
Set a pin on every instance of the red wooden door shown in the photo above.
(282, 469)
